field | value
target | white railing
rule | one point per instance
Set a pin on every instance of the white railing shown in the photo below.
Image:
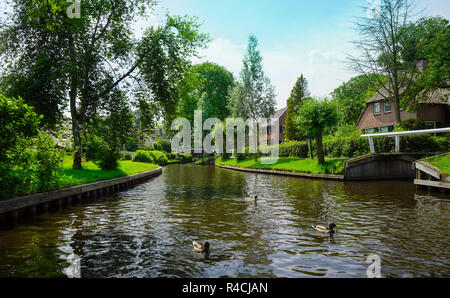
(397, 136)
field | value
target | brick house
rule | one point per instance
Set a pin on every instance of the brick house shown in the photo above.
(281, 116)
(379, 115)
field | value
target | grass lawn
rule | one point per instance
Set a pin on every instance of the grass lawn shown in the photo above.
(92, 173)
(441, 162)
(301, 165)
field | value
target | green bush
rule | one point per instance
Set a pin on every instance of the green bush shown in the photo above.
(412, 124)
(125, 156)
(99, 151)
(159, 157)
(294, 149)
(171, 156)
(162, 145)
(28, 158)
(355, 146)
(186, 157)
(143, 156)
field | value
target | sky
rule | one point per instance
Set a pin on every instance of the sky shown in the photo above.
(309, 37)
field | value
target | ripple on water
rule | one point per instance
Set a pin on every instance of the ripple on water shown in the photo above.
(148, 231)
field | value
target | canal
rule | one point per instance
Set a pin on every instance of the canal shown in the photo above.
(148, 231)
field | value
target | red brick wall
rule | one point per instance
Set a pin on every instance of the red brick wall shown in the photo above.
(370, 120)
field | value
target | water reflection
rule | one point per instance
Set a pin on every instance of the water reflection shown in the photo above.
(148, 231)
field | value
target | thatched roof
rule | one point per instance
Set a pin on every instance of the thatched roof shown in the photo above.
(438, 96)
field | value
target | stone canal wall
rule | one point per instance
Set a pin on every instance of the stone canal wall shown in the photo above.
(40, 202)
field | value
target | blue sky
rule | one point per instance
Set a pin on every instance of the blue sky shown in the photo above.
(296, 36)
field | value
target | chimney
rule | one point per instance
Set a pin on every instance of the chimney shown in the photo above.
(422, 64)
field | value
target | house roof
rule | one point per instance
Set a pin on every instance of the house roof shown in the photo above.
(279, 113)
(438, 96)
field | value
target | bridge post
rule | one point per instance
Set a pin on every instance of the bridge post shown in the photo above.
(397, 144)
(372, 146)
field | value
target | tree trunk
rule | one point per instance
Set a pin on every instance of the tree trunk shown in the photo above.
(319, 148)
(76, 131)
(398, 117)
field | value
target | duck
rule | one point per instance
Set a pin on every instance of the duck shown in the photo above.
(325, 229)
(201, 247)
(255, 199)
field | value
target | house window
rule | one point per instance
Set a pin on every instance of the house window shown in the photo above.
(377, 108)
(430, 124)
(282, 128)
(269, 130)
(372, 130)
(387, 128)
(387, 106)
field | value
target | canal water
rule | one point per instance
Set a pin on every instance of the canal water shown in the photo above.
(148, 231)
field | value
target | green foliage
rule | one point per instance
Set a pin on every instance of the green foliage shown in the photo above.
(159, 157)
(351, 97)
(442, 162)
(299, 92)
(143, 156)
(151, 156)
(205, 87)
(17, 121)
(314, 116)
(429, 39)
(74, 57)
(171, 156)
(98, 150)
(294, 149)
(162, 145)
(186, 157)
(125, 156)
(253, 96)
(412, 124)
(30, 167)
(28, 157)
(355, 146)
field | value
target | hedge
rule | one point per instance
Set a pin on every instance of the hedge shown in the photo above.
(185, 157)
(143, 156)
(355, 146)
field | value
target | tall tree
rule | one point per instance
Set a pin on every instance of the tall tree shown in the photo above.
(298, 93)
(313, 117)
(253, 97)
(99, 53)
(205, 87)
(381, 50)
(351, 97)
(428, 39)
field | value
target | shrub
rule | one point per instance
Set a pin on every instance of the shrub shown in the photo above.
(100, 152)
(159, 157)
(185, 157)
(294, 149)
(355, 146)
(143, 156)
(162, 145)
(28, 157)
(171, 156)
(412, 124)
(125, 156)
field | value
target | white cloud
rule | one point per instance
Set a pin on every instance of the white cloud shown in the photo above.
(323, 68)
